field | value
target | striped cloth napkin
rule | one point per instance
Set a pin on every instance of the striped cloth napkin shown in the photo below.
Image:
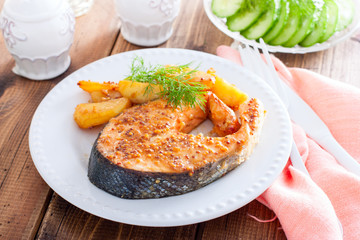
(307, 207)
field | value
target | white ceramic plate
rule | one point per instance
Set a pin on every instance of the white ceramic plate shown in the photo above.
(335, 39)
(60, 150)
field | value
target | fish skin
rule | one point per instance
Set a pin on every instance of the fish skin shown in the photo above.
(133, 184)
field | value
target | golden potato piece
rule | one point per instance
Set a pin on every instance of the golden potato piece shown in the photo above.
(135, 91)
(227, 92)
(88, 115)
(98, 96)
(104, 95)
(90, 86)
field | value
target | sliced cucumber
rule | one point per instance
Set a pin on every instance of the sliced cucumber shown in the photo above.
(310, 13)
(318, 31)
(250, 12)
(332, 19)
(225, 8)
(286, 22)
(280, 23)
(346, 13)
(265, 22)
(291, 25)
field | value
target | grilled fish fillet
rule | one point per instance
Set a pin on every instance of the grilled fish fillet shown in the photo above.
(146, 152)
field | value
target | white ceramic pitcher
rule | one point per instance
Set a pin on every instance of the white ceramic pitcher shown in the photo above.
(147, 22)
(38, 34)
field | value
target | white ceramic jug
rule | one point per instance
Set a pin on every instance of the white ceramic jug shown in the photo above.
(147, 22)
(38, 34)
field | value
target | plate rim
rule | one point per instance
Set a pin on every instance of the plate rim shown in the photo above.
(183, 218)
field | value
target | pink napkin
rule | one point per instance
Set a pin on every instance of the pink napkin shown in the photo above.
(307, 207)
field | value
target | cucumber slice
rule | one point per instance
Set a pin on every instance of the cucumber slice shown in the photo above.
(346, 13)
(332, 19)
(310, 13)
(281, 21)
(250, 12)
(318, 31)
(265, 22)
(225, 8)
(291, 25)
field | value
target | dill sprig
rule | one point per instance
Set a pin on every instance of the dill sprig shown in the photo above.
(175, 80)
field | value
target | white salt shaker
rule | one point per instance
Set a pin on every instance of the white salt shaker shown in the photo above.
(147, 22)
(38, 34)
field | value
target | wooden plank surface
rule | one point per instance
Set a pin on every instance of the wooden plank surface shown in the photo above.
(24, 196)
(28, 207)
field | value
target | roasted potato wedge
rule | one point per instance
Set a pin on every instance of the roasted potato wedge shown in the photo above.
(88, 115)
(90, 86)
(227, 92)
(104, 95)
(135, 91)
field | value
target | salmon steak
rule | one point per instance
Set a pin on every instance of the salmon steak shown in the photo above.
(147, 151)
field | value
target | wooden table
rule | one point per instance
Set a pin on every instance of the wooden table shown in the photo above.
(30, 209)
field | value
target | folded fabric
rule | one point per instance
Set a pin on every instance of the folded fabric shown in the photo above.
(308, 208)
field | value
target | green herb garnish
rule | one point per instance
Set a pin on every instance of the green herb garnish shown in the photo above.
(176, 82)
